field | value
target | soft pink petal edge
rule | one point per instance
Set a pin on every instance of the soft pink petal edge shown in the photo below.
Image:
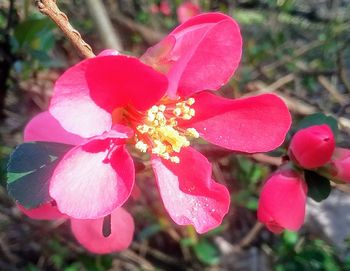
(44, 127)
(88, 232)
(191, 199)
(92, 180)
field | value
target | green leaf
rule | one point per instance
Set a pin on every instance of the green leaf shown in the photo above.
(29, 170)
(318, 119)
(34, 33)
(319, 187)
(206, 252)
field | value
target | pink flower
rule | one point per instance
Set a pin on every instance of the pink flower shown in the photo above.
(282, 201)
(88, 232)
(164, 8)
(186, 11)
(102, 103)
(339, 165)
(312, 147)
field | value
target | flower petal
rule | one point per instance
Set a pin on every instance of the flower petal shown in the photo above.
(207, 52)
(282, 201)
(93, 179)
(191, 198)
(88, 232)
(109, 52)
(312, 147)
(120, 80)
(86, 94)
(44, 127)
(73, 107)
(46, 211)
(254, 124)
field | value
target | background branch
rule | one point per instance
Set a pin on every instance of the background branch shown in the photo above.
(50, 9)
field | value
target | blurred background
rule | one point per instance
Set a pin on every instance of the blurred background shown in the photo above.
(296, 48)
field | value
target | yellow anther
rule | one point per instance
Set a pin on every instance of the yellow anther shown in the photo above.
(192, 132)
(190, 101)
(192, 112)
(175, 159)
(161, 132)
(143, 128)
(172, 122)
(162, 108)
(170, 135)
(154, 109)
(160, 116)
(187, 117)
(166, 156)
(151, 116)
(177, 112)
(185, 109)
(141, 146)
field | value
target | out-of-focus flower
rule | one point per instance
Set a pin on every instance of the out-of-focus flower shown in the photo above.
(339, 166)
(186, 11)
(158, 106)
(282, 201)
(89, 232)
(164, 8)
(312, 147)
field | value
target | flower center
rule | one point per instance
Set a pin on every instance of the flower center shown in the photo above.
(157, 131)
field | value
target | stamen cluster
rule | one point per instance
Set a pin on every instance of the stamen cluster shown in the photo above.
(159, 132)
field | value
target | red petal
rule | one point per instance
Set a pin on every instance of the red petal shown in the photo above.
(254, 124)
(282, 201)
(312, 147)
(191, 198)
(89, 232)
(87, 93)
(45, 212)
(207, 52)
(44, 127)
(93, 179)
(117, 81)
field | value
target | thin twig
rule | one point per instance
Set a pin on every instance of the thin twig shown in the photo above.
(250, 236)
(332, 90)
(50, 9)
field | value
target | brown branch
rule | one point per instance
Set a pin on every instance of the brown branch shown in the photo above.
(50, 9)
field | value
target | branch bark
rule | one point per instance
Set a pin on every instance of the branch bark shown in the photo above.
(50, 9)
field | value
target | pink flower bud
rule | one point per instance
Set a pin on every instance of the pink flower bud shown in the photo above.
(282, 201)
(340, 164)
(312, 147)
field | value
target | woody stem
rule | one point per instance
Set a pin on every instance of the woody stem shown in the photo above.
(50, 9)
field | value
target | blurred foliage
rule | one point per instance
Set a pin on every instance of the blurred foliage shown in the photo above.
(294, 252)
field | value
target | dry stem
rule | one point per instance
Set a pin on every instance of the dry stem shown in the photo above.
(50, 9)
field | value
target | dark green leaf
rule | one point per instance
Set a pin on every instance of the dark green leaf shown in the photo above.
(319, 187)
(318, 119)
(34, 33)
(206, 252)
(29, 170)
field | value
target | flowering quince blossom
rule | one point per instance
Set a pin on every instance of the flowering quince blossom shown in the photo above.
(186, 11)
(282, 201)
(339, 166)
(156, 104)
(312, 147)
